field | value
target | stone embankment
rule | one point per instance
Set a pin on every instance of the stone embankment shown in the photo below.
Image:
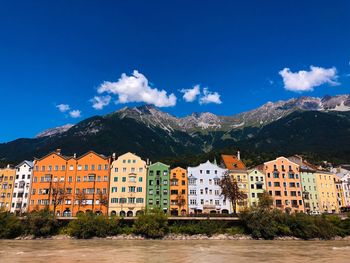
(176, 237)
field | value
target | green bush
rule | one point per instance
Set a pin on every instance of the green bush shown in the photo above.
(152, 224)
(10, 225)
(203, 227)
(41, 224)
(90, 225)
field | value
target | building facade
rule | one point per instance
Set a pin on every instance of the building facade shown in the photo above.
(22, 186)
(237, 170)
(257, 185)
(284, 185)
(158, 190)
(344, 176)
(308, 184)
(7, 180)
(327, 192)
(127, 192)
(178, 191)
(204, 192)
(68, 185)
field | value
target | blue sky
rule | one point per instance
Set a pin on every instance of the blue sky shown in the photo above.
(61, 52)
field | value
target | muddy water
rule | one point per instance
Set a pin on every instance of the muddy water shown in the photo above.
(213, 251)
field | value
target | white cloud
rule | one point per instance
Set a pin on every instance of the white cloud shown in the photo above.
(135, 88)
(63, 107)
(190, 95)
(209, 97)
(306, 80)
(98, 102)
(75, 113)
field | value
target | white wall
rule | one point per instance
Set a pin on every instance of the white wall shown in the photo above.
(204, 177)
(22, 186)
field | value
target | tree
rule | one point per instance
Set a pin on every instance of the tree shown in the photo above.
(103, 200)
(181, 201)
(231, 191)
(265, 200)
(57, 195)
(80, 199)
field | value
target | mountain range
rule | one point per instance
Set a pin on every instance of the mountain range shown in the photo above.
(318, 127)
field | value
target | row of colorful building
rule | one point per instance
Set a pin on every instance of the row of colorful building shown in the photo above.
(126, 185)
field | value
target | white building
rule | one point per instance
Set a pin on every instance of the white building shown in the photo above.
(22, 185)
(204, 190)
(344, 175)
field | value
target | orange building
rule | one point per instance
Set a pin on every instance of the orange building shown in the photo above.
(67, 184)
(7, 179)
(178, 191)
(284, 184)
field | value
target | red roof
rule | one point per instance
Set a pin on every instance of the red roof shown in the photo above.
(232, 162)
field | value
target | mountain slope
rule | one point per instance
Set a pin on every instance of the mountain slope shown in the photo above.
(284, 127)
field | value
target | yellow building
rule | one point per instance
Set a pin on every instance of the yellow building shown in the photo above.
(178, 191)
(327, 193)
(127, 191)
(238, 171)
(7, 179)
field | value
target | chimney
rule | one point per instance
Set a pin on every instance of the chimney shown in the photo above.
(58, 151)
(113, 156)
(147, 162)
(75, 155)
(238, 155)
(8, 166)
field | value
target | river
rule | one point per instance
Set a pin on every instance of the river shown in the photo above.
(164, 251)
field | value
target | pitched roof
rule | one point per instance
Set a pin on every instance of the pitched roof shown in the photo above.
(231, 162)
(29, 163)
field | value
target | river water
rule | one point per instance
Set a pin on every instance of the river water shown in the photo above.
(168, 251)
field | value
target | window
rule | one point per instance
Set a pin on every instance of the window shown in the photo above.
(116, 169)
(193, 202)
(140, 179)
(132, 189)
(79, 167)
(123, 189)
(78, 178)
(139, 200)
(139, 189)
(71, 168)
(276, 184)
(252, 186)
(124, 170)
(114, 189)
(207, 171)
(115, 179)
(99, 167)
(123, 179)
(86, 167)
(114, 200)
(140, 170)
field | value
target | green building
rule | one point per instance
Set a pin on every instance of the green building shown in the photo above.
(158, 192)
(308, 184)
(257, 186)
